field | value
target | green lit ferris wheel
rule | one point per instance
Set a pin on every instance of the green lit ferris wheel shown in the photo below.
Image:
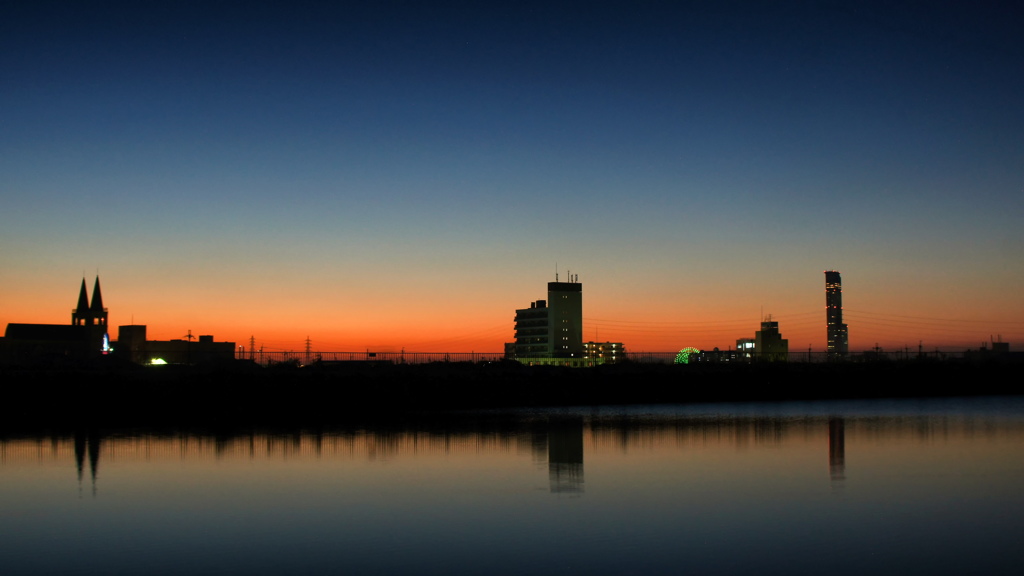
(684, 355)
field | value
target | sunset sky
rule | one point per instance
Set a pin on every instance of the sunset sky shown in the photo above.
(390, 175)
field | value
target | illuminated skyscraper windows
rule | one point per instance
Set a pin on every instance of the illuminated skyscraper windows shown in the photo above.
(838, 338)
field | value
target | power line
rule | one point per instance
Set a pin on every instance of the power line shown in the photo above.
(938, 320)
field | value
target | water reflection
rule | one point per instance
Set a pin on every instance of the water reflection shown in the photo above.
(565, 455)
(558, 441)
(716, 489)
(86, 443)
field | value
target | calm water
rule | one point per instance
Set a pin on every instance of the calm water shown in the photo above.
(827, 488)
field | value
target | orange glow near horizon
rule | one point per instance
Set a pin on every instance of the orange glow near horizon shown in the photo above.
(482, 320)
(367, 179)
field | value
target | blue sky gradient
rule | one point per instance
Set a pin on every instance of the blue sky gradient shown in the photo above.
(407, 174)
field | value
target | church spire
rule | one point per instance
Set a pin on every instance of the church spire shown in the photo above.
(97, 313)
(79, 314)
(86, 315)
(83, 299)
(97, 298)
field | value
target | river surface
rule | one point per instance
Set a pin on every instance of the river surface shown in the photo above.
(874, 487)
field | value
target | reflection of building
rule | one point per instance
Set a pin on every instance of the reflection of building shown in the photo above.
(131, 341)
(552, 328)
(82, 340)
(565, 455)
(838, 338)
(837, 448)
(87, 443)
(769, 343)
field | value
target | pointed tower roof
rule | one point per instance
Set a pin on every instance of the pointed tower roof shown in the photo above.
(83, 299)
(97, 298)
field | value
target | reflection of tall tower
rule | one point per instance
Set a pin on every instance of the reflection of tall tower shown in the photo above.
(837, 448)
(838, 339)
(565, 455)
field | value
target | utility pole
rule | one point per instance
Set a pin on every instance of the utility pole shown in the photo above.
(188, 348)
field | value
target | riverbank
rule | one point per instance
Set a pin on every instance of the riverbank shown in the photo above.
(246, 394)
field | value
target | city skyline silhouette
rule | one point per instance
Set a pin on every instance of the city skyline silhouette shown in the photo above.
(547, 332)
(386, 176)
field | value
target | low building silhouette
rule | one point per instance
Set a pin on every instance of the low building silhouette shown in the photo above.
(769, 344)
(745, 348)
(132, 343)
(605, 352)
(533, 331)
(85, 339)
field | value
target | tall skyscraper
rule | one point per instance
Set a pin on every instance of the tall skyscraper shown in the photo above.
(838, 338)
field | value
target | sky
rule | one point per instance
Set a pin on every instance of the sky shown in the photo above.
(389, 175)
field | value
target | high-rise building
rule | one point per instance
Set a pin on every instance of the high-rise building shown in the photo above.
(552, 328)
(838, 338)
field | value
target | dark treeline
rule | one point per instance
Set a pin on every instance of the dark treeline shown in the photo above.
(244, 394)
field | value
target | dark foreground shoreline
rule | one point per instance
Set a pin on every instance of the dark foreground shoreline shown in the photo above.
(244, 394)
